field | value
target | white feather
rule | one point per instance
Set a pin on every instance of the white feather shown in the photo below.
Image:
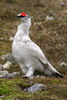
(28, 54)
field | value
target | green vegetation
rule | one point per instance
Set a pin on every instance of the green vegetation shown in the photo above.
(51, 36)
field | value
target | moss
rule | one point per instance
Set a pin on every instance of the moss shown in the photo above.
(13, 89)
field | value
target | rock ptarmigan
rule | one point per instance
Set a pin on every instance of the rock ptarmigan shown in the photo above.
(28, 55)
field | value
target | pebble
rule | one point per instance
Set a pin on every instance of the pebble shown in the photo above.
(63, 64)
(6, 65)
(3, 74)
(1, 38)
(62, 3)
(2, 96)
(11, 38)
(3, 57)
(9, 57)
(49, 17)
(6, 74)
(13, 74)
(66, 54)
(34, 88)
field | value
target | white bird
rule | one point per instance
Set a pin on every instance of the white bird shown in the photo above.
(27, 54)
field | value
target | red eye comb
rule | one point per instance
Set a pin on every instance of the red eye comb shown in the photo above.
(23, 14)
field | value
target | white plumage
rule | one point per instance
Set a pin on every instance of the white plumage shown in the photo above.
(28, 54)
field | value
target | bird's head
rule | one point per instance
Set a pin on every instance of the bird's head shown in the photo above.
(25, 18)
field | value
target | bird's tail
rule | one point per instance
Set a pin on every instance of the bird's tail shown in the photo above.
(56, 74)
(51, 71)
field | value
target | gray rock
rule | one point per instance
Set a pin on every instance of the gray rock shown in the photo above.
(3, 57)
(6, 74)
(2, 96)
(62, 3)
(3, 74)
(34, 88)
(9, 57)
(13, 74)
(63, 64)
(49, 17)
(1, 67)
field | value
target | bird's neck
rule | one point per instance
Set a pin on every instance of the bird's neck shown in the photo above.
(23, 31)
(23, 28)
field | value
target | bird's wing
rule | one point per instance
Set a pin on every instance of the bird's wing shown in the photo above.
(37, 53)
(48, 68)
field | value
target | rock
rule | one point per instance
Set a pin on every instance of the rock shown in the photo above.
(43, 76)
(66, 54)
(38, 76)
(1, 67)
(34, 88)
(11, 38)
(6, 65)
(49, 17)
(13, 74)
(1, 38)
(63, 64)
(2, 96)
(3, 57)
(9, 57)
(6, 74)
(65, 12)
(3, 74)
(62, 3)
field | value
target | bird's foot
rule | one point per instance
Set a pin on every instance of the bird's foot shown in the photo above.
(24, 76)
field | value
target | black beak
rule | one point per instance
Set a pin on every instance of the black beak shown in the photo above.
(18, 16)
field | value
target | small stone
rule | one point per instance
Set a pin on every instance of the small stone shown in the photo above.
(6, 74)
(66, 54)
(49, 17)
(3, 74)
(6, 65)
(13, 74)
(38, 76)
(3, 57)
(1, 38)
(34, 88)
(9, 57)
(63, 64)
(11, 38)
(2, 96)
(65, 12)
(62, 3)
(43, 76)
